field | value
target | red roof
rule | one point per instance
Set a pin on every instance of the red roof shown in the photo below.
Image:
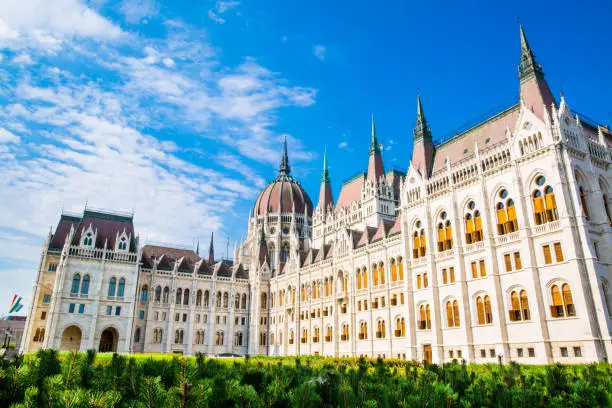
(281, 195)
(168, 256)
(351, 191)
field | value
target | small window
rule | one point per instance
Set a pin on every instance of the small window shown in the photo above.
(109, 310)
(141, 314)
(564, 352)
(492, 353)
(43, 315)
(519, 352)
(118, 311)
(52, 267)
(184, 317)
(577, 352)
(81, 308)
(531, 352)
(71, 308)
(483, 353)
(465, 150)
(177, 317)
(46, 298)
(487, 140)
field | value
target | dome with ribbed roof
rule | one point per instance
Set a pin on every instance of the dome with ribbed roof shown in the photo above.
(284, 194)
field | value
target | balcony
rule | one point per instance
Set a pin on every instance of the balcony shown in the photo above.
(507, 238)
(476, 246)
(547, 227)
(449, 253)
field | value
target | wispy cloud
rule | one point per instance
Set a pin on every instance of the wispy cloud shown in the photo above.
(136, 11)
(319, 51)
(221, 7)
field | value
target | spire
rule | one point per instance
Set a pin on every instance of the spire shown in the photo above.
(528, 66)
(325, 194)
(421, 130)
(211, 249)
(198, 248)
(325, 174)
(375, 165)
(284, 168)
(374, 147)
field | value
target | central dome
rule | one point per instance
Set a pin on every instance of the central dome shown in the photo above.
(284, 193)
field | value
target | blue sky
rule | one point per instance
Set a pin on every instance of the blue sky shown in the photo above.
(177, 109)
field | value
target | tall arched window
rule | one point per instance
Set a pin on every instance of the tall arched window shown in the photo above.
(244, 301)
(419, 244)
(206, 298)
(604, 197)
(158, 294)
(480, 310)
(76, 282)
(400, 264)
(264, 301)
(364, 278)
(237, 301)
(605, 288)
(112, 285)
(506, 214)
(381, 272)
(473, 224)
(186, 297)
(144, 293)
(225, 300)
(445, 233)
(520, 306)
(393, 270)
(166, 295)
(179, 296)
(400, 327)
(121, 288)
(199, 297)
(85, 285)
(218, 300)
(345, 332)
(544, 202)
(381, 331)
(452, 314)
(271, 251)
(285, 252)
(583, 202)
(375, 275)
(137, 335)
(424, 317)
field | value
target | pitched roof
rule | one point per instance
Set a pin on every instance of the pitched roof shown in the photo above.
(224, 269)
(107, 226)
(394, 179)
(461, 146)
(397, 226)
(242, 273)
(351, 191)
(167, 256)
(367, 235)
(62, 230)
(382, 230)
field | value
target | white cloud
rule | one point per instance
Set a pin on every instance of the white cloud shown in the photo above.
(23, 59)
(284, 38)
(220, 8)
(319, 51)
(8, 137)
(135, 11)
(343, 145)
(44, 23)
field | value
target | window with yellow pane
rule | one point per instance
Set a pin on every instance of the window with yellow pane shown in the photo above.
(479, 269)
(473, 224)
(506, 214)
(419, 245)
(549, 249)
(452, 313)
(520, 306)
(544, 202)
(445, 233)
(562, 301)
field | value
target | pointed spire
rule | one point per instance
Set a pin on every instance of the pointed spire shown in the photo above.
(374, 147)
(284, 168)
(528, 66)
(375, 165)
(198, 248)
(421, 130)
(325, 174)
(211, 249)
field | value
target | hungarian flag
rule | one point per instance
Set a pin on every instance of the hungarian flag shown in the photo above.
(16, 304)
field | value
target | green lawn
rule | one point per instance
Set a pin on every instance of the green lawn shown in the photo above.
(49, 379)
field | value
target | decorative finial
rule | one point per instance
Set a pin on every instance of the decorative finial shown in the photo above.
(284, 167)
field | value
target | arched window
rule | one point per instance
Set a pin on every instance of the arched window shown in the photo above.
(605, 288)
(364, 278)
(244, 301)
(144, 293)
(237, 301)
(363, 330)
(506, 214)
(345, 332)
(199, 297)
(76, 282)
(121, 288)
(218, 300)
(544, 202)
(166, 297)
(285, 252)
(137, 335)
(264, 301)
(112, 286)
(400, 327)
(157, 335)
(179, 296)
(445, 233)
(225, 300)
(291, 336)
(238, 339)
(520, 306)
(419, 244)
(375, 275)
(381, 271)
(583, 202)
(452, 314)
(488, 312)
(186, 297)
(568, 302)
(271, 252)
(381, 331)
(315, 335)
(480, 310)
(179, 336)
(88, 240)
(562, 301)
(473, 224)
(122, 246)
(604, 197)
(85, 285)
(158, 294)
(393, 270)
(400, 263)
(206, 298)
(424, 317)
(304, 338)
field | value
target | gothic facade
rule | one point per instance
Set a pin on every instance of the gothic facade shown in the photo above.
(494, 243)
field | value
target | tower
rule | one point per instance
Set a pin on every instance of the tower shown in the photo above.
(376, 170)
(211, 250)
(325, 193)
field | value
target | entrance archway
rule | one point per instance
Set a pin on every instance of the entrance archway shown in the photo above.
(108, 340)
(71, 339)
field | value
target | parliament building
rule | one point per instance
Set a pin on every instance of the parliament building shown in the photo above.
(496, 243)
